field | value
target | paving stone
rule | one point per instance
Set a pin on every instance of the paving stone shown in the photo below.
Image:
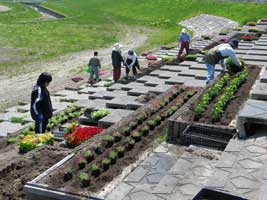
(107, 94)
(143, 195)
(257, 63)
(258, 47)
(7, 116)
(132, 85)
(259, 91)
(127, 102)
(195, 83)
(163, 74)
(91, 90)
(178, 80)
(255, 57)
(66, 93)
(257, 52)
(241, 51)
(120, 192)
(188, 63)
(140, 90)
(160, 88)
(167, 185)
(59, 106)
(95, 104)
(115, 116)
(9, 128)
(174, 68)
(137, 175)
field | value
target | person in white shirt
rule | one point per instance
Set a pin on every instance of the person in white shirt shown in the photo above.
(218, 54)
(131, 63)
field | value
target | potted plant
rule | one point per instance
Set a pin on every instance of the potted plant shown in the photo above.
(113, 157)
(98, 148)
(133, 125)
(130, 144)
(95, 170)
(136, 136)
(81, 162)
(67, 174)
(145, 130)
(120, 151)
(106, 164)
(89, 156)
(85, 179)
(117, 136)
(151, 124)
(109, 140)
(126, 131)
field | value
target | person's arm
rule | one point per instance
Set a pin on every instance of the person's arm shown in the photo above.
(222, 62)
(235, 61)
(90, 62)
(133, 61)
(36, 105)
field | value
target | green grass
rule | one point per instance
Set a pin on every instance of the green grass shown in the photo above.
(99, 23)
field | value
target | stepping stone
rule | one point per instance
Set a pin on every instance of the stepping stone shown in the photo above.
(259, 91)
(163, 74)
(241, 51)
(150, 80)
(160, 88)
(7, 128)
(64, 93)
(261, 43)
(198, 66)
(187, 63)
(132, 85)
(59, 106)
(257, 47)
(255, 57)
(179, 80)
(253, 111)
(174, 68)
(8, 115)
(107, 94)
(126, 102)
(95, 104)
(257, 52)
(258, 63)
(243, 43)
(116, 86)
(115, 116)
(263, 76)
(91, 90)
(195, 83)
(139, 90)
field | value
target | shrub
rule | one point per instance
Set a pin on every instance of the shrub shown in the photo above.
(113, 157)
(120, 151)
(145, 130)
(85, 179)
(106, 164)
(117, 136)
(67, 174)
(126, 131)
(168, 58)
(12, 140)
(89, 156)
(190, 94)
(136, 136)
(95, 170)
(109, 140)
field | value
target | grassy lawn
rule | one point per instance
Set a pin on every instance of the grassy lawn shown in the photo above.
(92, 24)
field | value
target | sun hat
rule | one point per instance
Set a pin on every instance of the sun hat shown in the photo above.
(233, 43)
(117, 45)
(183, 30)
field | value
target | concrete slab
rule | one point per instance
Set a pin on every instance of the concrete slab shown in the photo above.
(257, 63)
(107, 94)
(95, 104)
(178, 80)
(91, 90)
(258, 47)
(116, 86)
(163, 74)
(261, 58)
(126, 102)
(253, 112)
(257, 52)
(259, 91)
(174, 68)
(7, 128)
(140, 90)
(195, 83)
(160, 88)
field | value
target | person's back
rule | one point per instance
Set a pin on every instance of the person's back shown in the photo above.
(94, 64)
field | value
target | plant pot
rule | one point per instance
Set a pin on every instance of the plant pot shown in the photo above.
(85, 183)
(89, 159)
(137, 139)
(129, 146)
(105, 167)
(81, 165)
(67, 176)
(109, 144)
(96, 173)
(99, 150)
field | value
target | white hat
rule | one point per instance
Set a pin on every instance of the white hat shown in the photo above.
(183, 30)
(117, 46)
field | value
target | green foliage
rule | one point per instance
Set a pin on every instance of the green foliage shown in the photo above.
(96, 115)
(84, 176)
(133, 125)
(12, 140)
(191, 57)
(117, 136)
(145, 130)
(18, 120)
(151, 124)
(253, 30)
(126, 131)
(108, 83)
(251, 24)
(136, 136)
(106, 161)
(168, 58)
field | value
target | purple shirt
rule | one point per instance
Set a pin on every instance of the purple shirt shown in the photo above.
(184, 37)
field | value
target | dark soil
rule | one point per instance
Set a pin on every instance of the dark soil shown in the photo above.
(26, 168)
(233, 107)
(55, 180)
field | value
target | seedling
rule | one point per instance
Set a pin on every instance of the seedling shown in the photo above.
(67, 174)
(117, 136)
(95, 170)
(126, 131)
(109, 140)
(85, 179)
(113, 157)
(130, 144)
(133, 125)
(98, 148)
(89, 156)
(157, 120)
(151, 124)
(106, 164)
(82, 162)
(136, 136)
(120, 151)
(145, 130)
(140, 118)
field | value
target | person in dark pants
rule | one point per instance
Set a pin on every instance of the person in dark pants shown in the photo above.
(95, 65)
(41, 106)
(183, 43)
(116, 62)
(131, 62)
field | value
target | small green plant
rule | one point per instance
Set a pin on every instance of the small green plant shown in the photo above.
(130, 144)
(97, 115)
(95, 170)
(136, 136)
(191, 57)
(140, 118)
(120, 150)
(133, 125)
(113, 155)
(126, 131)
(98, 149)
(106, 164)
(12, 140)
(89, 156)
(151, 124)
(168, 58)
(108, 84)
(145, 130)
(18, 120)
(67, 174)
(253, 30)
(117, 136)
(109, 140)
(164, 115)
(157, 120)
(251, 23)
(82, 163)
(85, 179)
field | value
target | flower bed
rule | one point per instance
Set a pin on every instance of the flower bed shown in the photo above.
(119, 146)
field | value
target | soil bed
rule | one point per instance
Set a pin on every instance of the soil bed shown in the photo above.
(233, 107)
(55, 179)
(25, 168)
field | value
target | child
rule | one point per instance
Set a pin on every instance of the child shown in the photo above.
(41, 106)
(95, 65)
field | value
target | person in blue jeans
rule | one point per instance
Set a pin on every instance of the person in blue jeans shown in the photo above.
(41, 106)
(94, 64)
(218, 54)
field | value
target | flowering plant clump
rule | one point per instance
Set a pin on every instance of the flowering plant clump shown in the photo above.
(32, 140)
(81, 162)
(225, 98)
(99, 114)
(81, 134)
(210, 94)
(248, 37)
